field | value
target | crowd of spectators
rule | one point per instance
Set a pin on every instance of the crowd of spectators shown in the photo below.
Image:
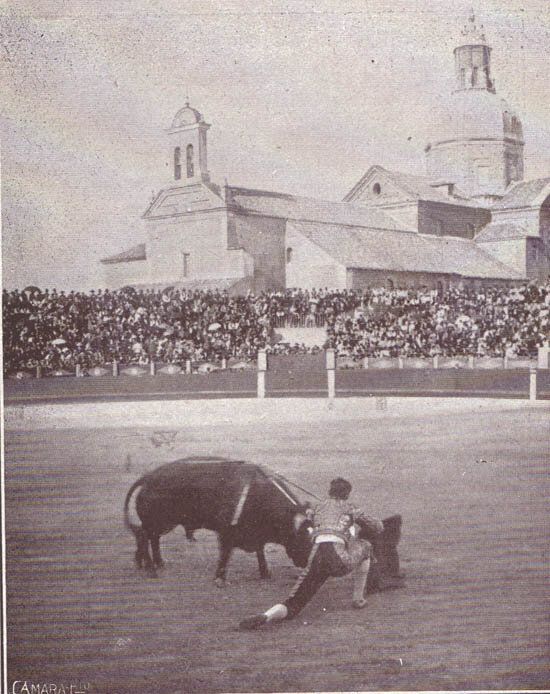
(60, 330)
(485, 322)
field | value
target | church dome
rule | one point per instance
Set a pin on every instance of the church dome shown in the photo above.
(477, 114)
(186, 116)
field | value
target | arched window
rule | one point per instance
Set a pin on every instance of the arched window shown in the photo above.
(439, 287)
(376, 189)
(288, 255)
(463, 77)
(177, 163)
(474, 76)
(471, 230)
(389, 284)
(190, 164)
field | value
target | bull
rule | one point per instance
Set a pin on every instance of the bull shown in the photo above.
(244, 504)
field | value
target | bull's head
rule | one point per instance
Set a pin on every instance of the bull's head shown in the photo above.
(298, 545)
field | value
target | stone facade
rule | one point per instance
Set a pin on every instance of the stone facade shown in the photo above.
(471, 219)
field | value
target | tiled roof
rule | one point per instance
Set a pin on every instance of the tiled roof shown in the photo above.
(500, 231)
(134, 253)
(310, 209)
(403, 251)
(419, 187)
(522, 194)
(416, 187)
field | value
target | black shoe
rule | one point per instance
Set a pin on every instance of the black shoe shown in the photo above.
(253, 622)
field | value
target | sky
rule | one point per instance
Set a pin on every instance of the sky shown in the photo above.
(303, 97)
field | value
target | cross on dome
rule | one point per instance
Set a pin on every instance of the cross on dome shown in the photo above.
(471, 31)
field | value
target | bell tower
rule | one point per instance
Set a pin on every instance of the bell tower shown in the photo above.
(473, 59)
(187, 138)
(478, 143)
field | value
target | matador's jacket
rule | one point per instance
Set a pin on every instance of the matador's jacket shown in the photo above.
(334, 520)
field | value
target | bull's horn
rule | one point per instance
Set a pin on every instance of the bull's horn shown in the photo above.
(299, 519)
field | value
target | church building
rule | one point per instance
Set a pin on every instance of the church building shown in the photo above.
(471, 219)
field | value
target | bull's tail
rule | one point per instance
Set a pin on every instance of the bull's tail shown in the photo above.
(132, 527)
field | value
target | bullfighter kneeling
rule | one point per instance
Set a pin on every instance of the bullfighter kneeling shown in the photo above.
(336, 551)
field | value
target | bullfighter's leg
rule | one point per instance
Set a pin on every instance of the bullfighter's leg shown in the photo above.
(360, 576)
(155, 547)
(308, 583)
(225, 549)
(262, 563)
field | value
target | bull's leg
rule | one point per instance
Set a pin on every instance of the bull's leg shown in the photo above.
(143, 549)
(262, 564)
(225, 547)
(155, 548)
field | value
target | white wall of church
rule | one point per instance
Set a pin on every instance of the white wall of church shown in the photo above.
(193, 247)
(525, 218)
(476, 167)
(310, 267)
(118, 275)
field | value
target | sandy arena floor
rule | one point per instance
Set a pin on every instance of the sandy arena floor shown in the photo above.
(471, 482)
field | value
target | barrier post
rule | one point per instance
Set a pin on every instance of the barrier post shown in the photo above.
(78, 371)
(471, 362)
(543, 357)
(224, 363)
(188, 366)
(436, 361)
(38, 371)
(400, 362)
(365, 362)
(262, 368)
(505, 361)
(152, 368)
(533, 383)
(331, 372)
(115, 368)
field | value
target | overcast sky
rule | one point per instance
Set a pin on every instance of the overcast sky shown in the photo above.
(303, 96)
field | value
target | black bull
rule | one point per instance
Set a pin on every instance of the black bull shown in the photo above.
(246, 506)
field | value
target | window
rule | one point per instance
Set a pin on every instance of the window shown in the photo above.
(190, 165)
(438, 226)
(185, 268)
(177, 164)
(389, 284)
(288, 255)
(463, 77)
(474, 76)
(483, 174)
(376, 189)
(471, 230)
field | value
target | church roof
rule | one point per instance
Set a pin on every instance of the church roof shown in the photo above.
(186, 116)
(403, 251)
(413, 186)
(523, 194)
(310, 209)
(502, 231)
(134, 253)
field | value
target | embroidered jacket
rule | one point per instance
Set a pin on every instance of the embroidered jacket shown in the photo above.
(336, 518)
